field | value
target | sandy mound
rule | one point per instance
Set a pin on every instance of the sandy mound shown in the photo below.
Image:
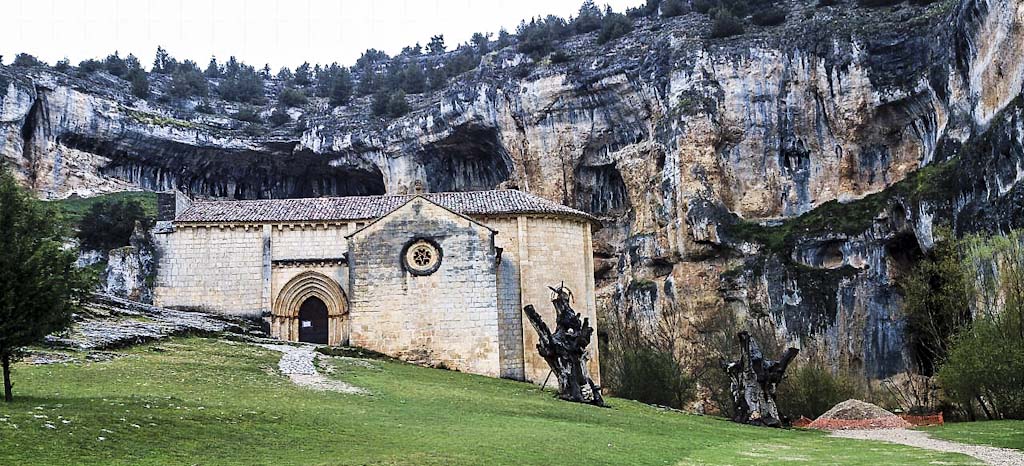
(856, 414)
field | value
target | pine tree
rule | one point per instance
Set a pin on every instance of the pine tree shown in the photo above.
(436, 45)
(140, 83)
(163, 63)
(341, 89)
(212, 69)
(40, 287)
(302, 75)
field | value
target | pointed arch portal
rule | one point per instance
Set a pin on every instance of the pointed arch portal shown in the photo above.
(311, 307)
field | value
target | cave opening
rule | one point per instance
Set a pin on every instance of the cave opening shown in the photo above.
(220, 173)
(903, 252)
(600, 190)
(471, 158)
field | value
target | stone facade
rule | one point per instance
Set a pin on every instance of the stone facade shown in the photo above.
(465, 314)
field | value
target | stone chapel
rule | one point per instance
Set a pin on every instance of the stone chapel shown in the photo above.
(435, 279)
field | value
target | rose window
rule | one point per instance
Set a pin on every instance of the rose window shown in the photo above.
(422, 257)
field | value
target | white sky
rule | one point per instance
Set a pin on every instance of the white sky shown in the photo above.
(279, 32)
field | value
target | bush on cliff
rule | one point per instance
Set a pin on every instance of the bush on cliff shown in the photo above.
(187, 81)
(670, 8)
(725, 25)
(279, 117)
(390, 104)
(291, 97)
(109, 224)
(769, 17)
(614, 26)
(24, 59)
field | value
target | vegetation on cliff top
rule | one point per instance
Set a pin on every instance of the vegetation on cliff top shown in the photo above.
(215, 402)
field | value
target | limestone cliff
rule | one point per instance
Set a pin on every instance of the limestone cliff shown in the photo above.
(791, 172)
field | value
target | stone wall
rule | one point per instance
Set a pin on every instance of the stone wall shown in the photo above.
(313, 241)
(448, 317)
(214, 268)
(510, 314)
(552, 251)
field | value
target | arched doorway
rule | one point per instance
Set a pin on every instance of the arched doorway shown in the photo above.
(311, 307)
(313, 321)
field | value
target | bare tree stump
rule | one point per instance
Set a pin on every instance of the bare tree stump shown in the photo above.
(754, 381)
(566, 350)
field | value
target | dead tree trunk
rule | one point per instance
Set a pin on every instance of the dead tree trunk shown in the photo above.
(6, 362)
(754, 382)
(565, 350)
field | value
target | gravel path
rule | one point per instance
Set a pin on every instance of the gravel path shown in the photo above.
(920, 439)
(297, 362)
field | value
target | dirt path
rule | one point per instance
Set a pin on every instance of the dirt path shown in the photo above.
(297, 362)
(920, 439)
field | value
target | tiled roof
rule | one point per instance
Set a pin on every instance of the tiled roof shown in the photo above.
(470, 203)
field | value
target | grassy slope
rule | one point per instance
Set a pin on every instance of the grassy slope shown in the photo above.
(1006, 434)
(74, 209)
(214, 402)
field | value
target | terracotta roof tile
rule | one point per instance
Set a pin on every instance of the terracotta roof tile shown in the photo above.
(368, 207)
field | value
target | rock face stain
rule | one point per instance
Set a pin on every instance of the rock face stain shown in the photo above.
(669, 138)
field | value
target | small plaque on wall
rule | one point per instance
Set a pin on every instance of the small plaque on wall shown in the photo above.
(307, 324)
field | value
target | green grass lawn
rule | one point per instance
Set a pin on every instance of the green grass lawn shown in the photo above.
(206, 401)
(74, 209)
(1006, 434)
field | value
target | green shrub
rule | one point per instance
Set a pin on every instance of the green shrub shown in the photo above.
(139, 82)
(26, 60)
(279, 117)
(109, 224)
(725, 25)
(204, 107)
(700, 6)
(769, 17)
(559, 56)
(614, 26)
(390, 104)
(187, 81)
(651, 376)
(292, 97)
(985, 368)
(985, 365)
(247, 114)
(670, 8)
(588, 19)
(812, 389)
(89, 66)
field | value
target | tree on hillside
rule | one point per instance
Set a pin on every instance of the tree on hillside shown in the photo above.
(24, 59)
(188, 81)
(436, 45)
(115, 65)
(40, 286)
(109, 224)
(341, 87)
(163, 63)
(613, 26)
(212, 68)
(302, 75)
(140, 83)
(588, 19)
